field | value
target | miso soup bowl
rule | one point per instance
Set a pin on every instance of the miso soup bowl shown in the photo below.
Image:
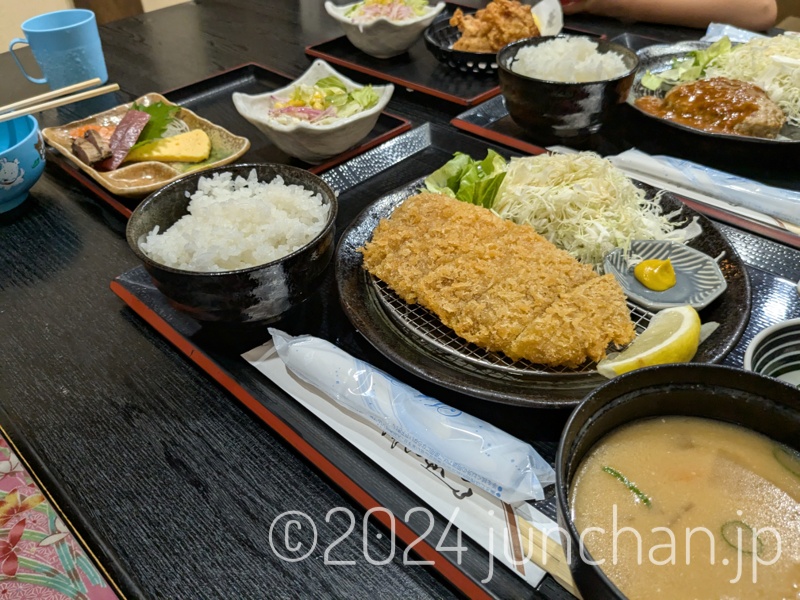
(259, 294)
(744, 398)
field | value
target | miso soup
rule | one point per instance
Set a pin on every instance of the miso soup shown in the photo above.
(690, 508)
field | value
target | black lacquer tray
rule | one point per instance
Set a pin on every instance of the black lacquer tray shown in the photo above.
(211, 99)
(360, 182)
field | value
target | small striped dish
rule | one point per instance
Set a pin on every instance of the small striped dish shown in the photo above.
(775, 352)
(699, 278)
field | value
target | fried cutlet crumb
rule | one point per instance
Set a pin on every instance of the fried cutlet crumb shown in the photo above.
(491, 280)
(580, 324)
(491, 28)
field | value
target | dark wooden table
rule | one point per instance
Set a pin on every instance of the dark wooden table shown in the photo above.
(179, 479)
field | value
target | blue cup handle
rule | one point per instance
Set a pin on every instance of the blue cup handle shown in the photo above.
(13, 43)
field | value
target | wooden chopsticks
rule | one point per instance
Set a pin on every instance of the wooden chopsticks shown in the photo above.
(546, 553)
(54, 99)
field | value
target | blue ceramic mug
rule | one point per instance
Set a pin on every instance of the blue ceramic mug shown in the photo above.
(66, 45)
(22, 160)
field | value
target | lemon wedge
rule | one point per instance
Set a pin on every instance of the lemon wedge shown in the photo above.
(672, 337)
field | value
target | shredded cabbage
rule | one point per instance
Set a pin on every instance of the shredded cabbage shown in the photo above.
(583, 204)
(773, 64)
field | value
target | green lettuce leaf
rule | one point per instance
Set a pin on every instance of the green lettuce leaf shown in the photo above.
(160, 117)
(332, 84)
(691, 68)
(469, 180)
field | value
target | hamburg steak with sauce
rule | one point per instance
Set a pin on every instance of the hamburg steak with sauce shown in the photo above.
(719, 105)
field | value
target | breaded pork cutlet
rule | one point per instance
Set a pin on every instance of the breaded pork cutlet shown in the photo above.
(497, 284)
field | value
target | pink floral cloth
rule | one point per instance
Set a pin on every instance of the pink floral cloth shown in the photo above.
(40, 559)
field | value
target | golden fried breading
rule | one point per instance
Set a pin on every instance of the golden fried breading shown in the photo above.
(579, 324)
(491, 28)
(492, 281)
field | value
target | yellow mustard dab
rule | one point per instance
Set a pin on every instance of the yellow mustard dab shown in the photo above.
(654, 274)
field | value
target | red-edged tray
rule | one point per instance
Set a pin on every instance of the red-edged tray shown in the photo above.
(217, 350)
(211, 99)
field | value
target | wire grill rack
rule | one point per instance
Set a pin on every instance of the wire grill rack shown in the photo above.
(427, 327)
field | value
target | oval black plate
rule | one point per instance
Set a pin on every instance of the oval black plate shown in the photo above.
(365, 310)
(659, 58)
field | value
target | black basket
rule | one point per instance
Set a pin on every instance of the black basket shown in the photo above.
(439, 39)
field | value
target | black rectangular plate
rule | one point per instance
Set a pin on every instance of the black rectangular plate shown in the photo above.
(359, 182)
(211, 99)
(628, 129)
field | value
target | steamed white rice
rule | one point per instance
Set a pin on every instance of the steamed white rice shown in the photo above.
(238, 223)
(568, 60)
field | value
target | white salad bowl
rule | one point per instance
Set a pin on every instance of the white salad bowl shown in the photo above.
(312, 143)
(383, 38)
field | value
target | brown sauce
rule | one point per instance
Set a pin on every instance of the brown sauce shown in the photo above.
(716, 105)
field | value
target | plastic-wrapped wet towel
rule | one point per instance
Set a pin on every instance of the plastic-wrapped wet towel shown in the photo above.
(685, 176)
(468, 447)
(716, 31)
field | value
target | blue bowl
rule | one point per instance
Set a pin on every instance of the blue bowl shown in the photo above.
(21, 160)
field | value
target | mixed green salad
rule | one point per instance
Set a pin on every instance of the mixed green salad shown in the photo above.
(325, 102)
(394, 10)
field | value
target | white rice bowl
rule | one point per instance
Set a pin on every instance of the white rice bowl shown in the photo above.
(237, 224)
(568, 60)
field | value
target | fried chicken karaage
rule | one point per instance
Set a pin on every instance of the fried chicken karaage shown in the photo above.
(491, 28)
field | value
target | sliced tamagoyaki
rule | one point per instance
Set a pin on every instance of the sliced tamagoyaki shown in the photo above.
(192, 146)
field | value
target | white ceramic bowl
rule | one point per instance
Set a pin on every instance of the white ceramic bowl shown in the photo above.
(775, 351)
(383, 38)
(310, 142)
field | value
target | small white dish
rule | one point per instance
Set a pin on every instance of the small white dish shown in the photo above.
(312, 143)
(699, 280)
(382, 38)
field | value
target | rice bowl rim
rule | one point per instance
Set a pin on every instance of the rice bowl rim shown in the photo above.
(623, 51)
(326, 191)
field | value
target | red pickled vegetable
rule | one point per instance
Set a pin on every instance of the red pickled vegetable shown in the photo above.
(124, 137)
